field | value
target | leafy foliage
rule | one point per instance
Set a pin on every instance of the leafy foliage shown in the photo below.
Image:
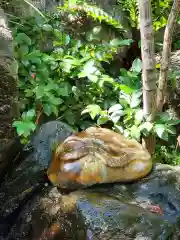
(126, 114)
(167, 155)
(63, 76)
(26, 125)
(93, 12)
(131, 7)
(160, 11)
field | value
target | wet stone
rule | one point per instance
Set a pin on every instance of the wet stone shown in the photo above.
(147, 209)
(26, 177)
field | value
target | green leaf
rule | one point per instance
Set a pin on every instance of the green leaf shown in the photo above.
(23, 38)
(147, 126)
(30, 114)
(171, 130)
(102, 119)
(67, 64)
(66, 67)
(88, 69)
(126, 133)
(55, 101)
(29, 93)
(135, 99)
(139, 115)
(126, 89)
(93, 110)
(36, 61)
(50, 86)
(160, 130)
(117, 42)
(59, 53)
(24, 128)
(124, 102)
(34, 57)
(173, 122)
(24, 49)
(67, 40)
(85, 124)
(164, 117)
(54, 65)
(135, 132)
(64, 89)
(25, 63)
(115, 116)
(129, 114)
(103, 79)
(137, 65)
(55, 110)
(69, 116)
(47, 58)
(93, 78)
(135, 103)
(47, 109)
(39, 91)
(165, 136)
(119, 128)
(115, 108)
(47, 27)
(16, 123)
(94, 34)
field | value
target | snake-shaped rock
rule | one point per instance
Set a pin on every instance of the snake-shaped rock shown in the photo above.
(98, 155)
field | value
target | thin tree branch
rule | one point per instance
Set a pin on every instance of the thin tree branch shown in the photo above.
(169, 30)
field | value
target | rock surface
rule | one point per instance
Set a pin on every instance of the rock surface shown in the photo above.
(27, 176)
(8, 91)
(148, 209)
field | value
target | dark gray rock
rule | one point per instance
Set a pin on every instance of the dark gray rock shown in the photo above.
(115, 211)
(46, 138)
(27, 176)
(8, 91)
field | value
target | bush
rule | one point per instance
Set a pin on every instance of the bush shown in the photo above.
(61, 75)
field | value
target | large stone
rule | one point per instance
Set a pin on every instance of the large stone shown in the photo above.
(115, 211)
(26, 175)
(148, 209)
(8, 91)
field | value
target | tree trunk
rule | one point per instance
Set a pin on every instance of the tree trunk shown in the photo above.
(169, 30)
(8, 91)
(148, 63)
